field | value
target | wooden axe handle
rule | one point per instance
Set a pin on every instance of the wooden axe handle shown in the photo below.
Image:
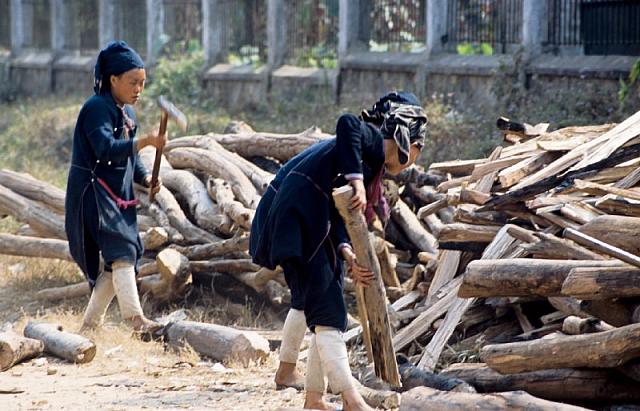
(156, 164)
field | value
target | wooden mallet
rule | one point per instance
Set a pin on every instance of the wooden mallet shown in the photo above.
(167, 109)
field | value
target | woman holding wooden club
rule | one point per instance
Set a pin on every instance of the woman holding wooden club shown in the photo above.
(100, 209)
(298, 227)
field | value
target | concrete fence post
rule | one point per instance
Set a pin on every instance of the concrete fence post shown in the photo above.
(106, 22)
(213, 31)
(17, 25)
(436, 17)
(353, 30)
(533, 24)
(276, 33)
(155, 19)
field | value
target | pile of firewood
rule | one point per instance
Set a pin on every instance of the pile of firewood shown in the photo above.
(525, 260)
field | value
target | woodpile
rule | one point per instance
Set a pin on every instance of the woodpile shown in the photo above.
(526, 260)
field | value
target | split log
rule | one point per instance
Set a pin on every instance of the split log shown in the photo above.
(421, 398)
(387, 262)
(520, 277)
(218, 342)
(412, 227)
(602, 283)
(566, 385)
(208, 162)
(174, 276)
(34, 189)
(279, 146)
(448, 263)
(222, 192)
(375, 298)
(602, 247)
(154, 238)
(573, 325)
(606, 349)
(71, 347)
(461, 233)
(630, 180)
(217, 249)
(613, 204)
(601, 189)
(34, 247)
(14, 349)
(513, 174)
(40, 218)
(206, 214)
(64, 293)
(615, 230)
(612, 311)
(457, 167)
(549, 246)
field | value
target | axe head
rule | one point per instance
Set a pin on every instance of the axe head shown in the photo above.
(173, 112)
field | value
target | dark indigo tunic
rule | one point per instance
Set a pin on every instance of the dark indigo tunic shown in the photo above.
(297, 226)
(93, 222)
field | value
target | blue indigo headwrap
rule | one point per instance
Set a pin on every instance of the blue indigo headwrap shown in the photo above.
(114, 59)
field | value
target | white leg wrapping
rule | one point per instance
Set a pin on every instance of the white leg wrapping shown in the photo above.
(101, 297)
(295, 325)
(124, 284)
(334, 358)
(314, 377)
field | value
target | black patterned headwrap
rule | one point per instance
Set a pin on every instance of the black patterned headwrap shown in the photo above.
(407, 125)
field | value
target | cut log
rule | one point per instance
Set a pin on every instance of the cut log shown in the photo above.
(175, 274)
(224, 266)
(457, 167)
(64, 293)
(549, 246)
(34, 189)
(573, 325)
(412, 227)
(566, 385)
(387, 262)
(154, 238)
(448, 263)
(163, 221)
(14, 349)
(613, 204)
(206, 214)
(461, 233)
(612, 311)
(221, 191)
(602, 283)
(217, 249)
(218, 342)
(422, 398)
(378, 399)
(34, 247)
(375, 298)
(601, 189)
(511, 175)
(630, 180)
(40, 218)
(520, 277)
(71, 347)
(615, 230)
(606, 349)
(602, 247)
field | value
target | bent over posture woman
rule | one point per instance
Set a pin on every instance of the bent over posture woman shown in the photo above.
(100, 209)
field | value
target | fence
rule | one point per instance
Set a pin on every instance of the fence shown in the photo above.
(613, 27)
(312, 33)
(245, 31)
(182, 24)
(5, 25)
(397, 25)
(483, 26)
(80, 28)
(130, 23)
(37, 23)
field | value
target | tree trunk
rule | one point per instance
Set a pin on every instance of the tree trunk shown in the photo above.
(602, 283)
(606, 349)
(217, 249)
(615, 230)
(422, 398)
(34, 247)
(218, 342)
(40, 218)
(382, 347)
(412, 227)
(15, 348)
(222, 192)
(33, 189)
(224, 266)
(519, 277)
(64, 293)
(71, 347)
(566, 384)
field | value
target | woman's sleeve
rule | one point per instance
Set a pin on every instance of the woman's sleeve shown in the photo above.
(139, 171)
(98, 127)
(349, 147)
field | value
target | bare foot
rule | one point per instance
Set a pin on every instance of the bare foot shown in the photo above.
(288, 376)
(315, 401)
(353, 401)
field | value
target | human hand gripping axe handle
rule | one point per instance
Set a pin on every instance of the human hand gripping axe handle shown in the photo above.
(167, 109)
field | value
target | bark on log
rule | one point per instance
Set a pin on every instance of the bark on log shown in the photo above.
(602, 247)
(14, 349)
(461, 233)
(619, 205)
(34, 247)
(615, 230)
(520, 277)
(40, 218)
(566, 384)
(224, 266)
(279, 146)
(71, 347)
(218, 342)
(382, 347)
(387, 262)
(422, 398)
(217, 249)
(64, 293)
(222, 192)
(606, 349)
(602, 283)
(207, 214)
(34, 189)
(412, 227)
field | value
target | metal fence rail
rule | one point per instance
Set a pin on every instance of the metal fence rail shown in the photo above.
(37, 23)
(483, 26)
(245, 31)
(563, 23)
(80, 28)
(182, 24)
(5, 25)
(312, 33)
(397, 25)
(130, 18)
(611, 27)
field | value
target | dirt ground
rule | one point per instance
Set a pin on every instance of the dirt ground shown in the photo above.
(126, 374)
